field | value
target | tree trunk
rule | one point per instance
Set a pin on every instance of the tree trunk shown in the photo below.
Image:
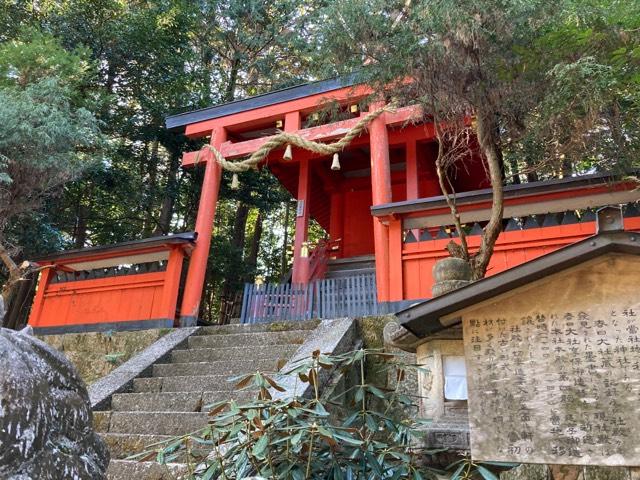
(80, 234)
(254, 250)
(9, 289)
(168, 201)
(240, 226)
(488, 139)
(285, 240)
(152, 175)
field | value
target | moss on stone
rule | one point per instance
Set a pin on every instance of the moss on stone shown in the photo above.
(606, 473)
(96, 354)
(526, 472)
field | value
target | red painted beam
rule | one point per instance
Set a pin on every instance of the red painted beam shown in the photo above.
(320, 133)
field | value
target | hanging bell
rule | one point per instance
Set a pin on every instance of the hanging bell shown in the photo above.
(288, 154)
(235, 182)
(335, 165)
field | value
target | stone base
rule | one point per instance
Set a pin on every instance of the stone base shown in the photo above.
(570, 472)
(451, 433)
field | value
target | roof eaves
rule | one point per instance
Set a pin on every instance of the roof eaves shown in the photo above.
(181, 120)
(185, 237)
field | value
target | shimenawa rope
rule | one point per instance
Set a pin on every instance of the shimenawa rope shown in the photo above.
(287, 138)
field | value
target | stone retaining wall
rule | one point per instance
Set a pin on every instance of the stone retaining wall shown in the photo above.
(543, 472)
(96, 354)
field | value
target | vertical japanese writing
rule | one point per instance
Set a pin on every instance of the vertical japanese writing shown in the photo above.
(556, 384)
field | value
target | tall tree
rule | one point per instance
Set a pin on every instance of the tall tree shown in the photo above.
(494, 67)
(48, 136)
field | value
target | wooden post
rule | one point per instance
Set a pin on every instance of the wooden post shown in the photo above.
(38, 300)
(300, 250)
(381, 193)
(396, 290)
(413, 186)
(300, 275)
(172, 282)
(204, 227)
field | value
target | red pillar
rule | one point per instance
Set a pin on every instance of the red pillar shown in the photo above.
(204, 227)
(300, 253)
(381, 193)
(413, 188)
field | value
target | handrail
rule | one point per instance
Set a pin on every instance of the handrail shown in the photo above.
(319, 256)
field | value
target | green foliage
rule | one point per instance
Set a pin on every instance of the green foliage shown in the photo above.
(45, 142)
(467, 469)
(34, 56)
(299, 438)
(561, 79)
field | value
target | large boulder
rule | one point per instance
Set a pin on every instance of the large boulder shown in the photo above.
(46, 423)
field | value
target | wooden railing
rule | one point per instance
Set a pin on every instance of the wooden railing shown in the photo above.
(328, 298)
(319, 256)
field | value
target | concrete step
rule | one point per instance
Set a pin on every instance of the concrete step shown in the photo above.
(128, 470)
(259, 327)
(183, 384)
(157, 423)
(123, 445)
(217, 368)
(248, 340)
(175, 401)
(216, 354)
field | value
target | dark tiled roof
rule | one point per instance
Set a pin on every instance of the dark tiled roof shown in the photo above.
(179, 121)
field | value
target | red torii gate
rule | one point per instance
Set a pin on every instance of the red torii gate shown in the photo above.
(293, 112)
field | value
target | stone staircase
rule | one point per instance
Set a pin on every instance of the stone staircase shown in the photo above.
(171, 401)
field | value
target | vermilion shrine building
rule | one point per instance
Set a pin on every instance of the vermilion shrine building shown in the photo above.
(383, 213)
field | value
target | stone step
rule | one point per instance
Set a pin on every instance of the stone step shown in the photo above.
(128, 470)
(157, 423)
(195, 401)
(215, 354)
(184, 384)
(123, 445)
(248, 340)
(356, 272)
(228, 368)
(259, 327)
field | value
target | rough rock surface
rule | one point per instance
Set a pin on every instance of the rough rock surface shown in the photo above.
(46, 423)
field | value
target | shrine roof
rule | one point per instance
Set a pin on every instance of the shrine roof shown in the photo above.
(179, 121)
(425, 318)
(123, 247)
(510, 191)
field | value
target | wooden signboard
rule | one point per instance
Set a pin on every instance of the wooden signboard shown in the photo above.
(554, 368)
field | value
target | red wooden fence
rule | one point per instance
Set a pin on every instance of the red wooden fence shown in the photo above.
(128, 286)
